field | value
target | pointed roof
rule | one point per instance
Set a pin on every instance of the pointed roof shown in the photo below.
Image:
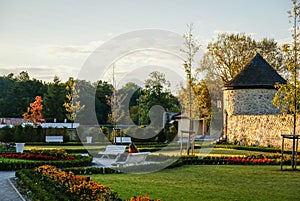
(257, 74)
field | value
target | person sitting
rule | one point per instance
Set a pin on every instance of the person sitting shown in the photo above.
(133, 148)
(122, 157)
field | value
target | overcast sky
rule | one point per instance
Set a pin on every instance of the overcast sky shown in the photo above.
(48, 38)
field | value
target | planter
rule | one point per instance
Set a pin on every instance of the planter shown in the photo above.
(20, 147)
(89, 139)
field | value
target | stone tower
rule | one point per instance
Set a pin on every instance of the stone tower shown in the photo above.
(250, 116)
(252, 90)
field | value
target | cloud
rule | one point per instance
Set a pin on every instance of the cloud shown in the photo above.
(44, 73)
(68, 50)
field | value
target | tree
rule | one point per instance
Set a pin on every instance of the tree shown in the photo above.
(287, 98)
(34, 112)
(230, 53)
(131, 103)
(72, 105)
(156, 93)
(54, 100)
(191, 47)
(103, 90)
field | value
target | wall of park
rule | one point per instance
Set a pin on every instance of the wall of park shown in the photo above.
(262, 130)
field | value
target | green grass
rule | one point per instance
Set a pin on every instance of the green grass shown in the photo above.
(209, 183)
(228, 152)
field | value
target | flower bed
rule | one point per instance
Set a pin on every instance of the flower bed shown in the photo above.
(56, 157)
(35, 157)
(50, 183)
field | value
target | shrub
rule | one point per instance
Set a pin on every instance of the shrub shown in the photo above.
(17, 164)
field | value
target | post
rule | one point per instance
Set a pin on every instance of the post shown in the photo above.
(282, 152)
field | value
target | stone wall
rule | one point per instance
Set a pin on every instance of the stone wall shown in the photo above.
(262, 130)
(250, 101)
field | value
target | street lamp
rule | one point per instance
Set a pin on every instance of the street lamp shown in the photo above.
(138, 102)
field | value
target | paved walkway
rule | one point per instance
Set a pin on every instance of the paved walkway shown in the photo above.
(7, 191)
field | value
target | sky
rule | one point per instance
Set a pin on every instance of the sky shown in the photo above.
(48, 38)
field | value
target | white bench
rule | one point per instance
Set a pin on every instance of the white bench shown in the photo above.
(120, 140)
(134, 159)
(54, 138)
(112, 150)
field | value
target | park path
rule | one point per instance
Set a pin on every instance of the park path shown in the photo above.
(7, 191)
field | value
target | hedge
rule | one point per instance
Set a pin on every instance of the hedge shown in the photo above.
(17, 164)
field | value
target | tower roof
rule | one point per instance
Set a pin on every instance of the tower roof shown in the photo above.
(256, 74)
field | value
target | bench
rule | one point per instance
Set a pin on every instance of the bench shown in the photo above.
(134, 159)
(54, 139)
(121, 140)
(112, 150)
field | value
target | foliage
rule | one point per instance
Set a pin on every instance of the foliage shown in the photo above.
(230, 53)
(57, 153)
(156, 99)
(191, 47)
(54, 100)
(142, 198)
(202, 107)
(16, 93)
(35, 156)
(103, 90)
(28, 133)
(17, 164)
(34, 112)
(287, 98)
(72, 105)
(83, 187)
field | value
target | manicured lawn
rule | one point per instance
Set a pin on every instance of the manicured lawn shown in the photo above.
(227, 152)
(206, 182)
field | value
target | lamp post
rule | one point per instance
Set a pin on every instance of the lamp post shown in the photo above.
(138, 102)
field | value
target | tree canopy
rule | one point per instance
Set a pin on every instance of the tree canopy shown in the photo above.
(230, 53)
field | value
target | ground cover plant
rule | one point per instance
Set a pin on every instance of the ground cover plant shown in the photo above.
(208, 182)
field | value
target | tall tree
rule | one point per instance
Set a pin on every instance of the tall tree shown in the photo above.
(156, 93)
(103, 90)
(287, 98)
(191, 48)
(54, 100)
(72, 105)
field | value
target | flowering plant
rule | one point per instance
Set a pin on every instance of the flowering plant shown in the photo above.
(58, 153)
(83, 187)
(142, 198)
(35, 157)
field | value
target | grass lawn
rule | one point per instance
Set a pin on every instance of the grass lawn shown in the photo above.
(206, 182)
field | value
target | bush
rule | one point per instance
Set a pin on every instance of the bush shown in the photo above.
(28, 133)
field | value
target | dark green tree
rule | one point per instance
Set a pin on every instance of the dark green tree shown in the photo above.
(157, 93)
(54, 100)
(103, 90)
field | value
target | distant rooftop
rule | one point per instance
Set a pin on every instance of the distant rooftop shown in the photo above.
(256, 74)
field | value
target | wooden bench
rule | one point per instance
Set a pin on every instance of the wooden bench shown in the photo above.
(112, 150)
(54, 139)
(122, 140)
(134, 159)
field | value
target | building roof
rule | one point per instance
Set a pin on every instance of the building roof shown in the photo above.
(256, 74)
